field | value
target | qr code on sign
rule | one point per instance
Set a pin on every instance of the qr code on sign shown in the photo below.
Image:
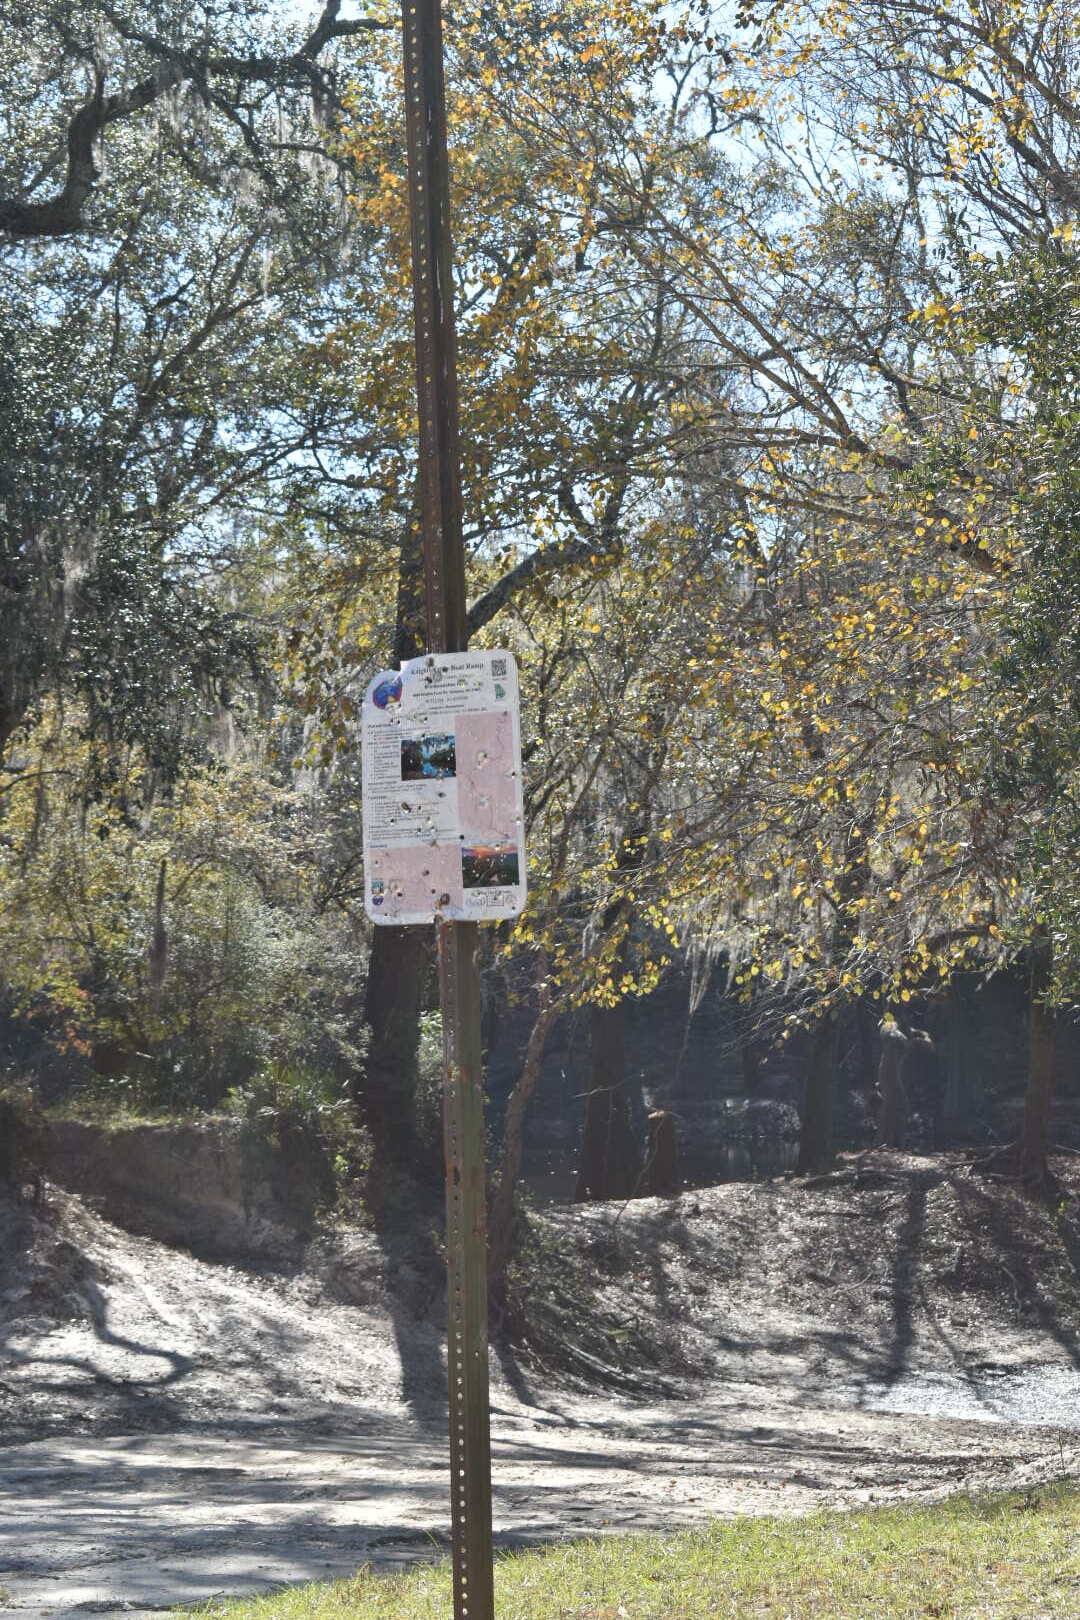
(498, 669)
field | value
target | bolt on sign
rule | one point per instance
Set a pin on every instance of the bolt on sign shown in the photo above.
(443, 819)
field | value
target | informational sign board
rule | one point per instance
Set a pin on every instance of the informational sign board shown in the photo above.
(443, 821)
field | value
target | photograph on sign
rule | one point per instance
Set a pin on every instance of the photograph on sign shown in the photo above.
(425, 757)
(443, 809)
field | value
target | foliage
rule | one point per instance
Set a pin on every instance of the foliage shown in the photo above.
(180, 946)
(1030, 308)
(560, 389)
(284, 1098)
(840, 822)
(115, 77)
(158, 306)
(429, 1092)
(747, 481)
(767, 366)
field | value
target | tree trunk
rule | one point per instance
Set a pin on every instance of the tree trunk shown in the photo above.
(819, 1099)
(750, 1061)
(386, 1091)
(892, 1093)
(660, 1178)
(866, 1028)
(610, 1165)
(401, 958)
(1042, 1052)
(963, 1108)
(159, 942)
(501, 1220)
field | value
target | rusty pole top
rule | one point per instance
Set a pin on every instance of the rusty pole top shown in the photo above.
(436, 344)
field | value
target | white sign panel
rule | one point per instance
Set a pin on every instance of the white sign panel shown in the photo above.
(443, 822)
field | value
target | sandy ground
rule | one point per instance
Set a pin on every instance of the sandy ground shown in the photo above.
(176, 1429)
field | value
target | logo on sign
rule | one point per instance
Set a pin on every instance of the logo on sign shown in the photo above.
(387, 693)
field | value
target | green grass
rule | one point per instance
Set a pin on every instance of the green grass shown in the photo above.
(116, 1114)
(1005, 1557)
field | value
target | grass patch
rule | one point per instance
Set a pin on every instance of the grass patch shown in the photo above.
(1003, 1557)
(114, 1116)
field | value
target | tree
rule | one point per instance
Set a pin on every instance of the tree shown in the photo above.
(559, 378)
(85, 87)
(1028, 308)
(184, 948)
(167, 215)
(904, 145)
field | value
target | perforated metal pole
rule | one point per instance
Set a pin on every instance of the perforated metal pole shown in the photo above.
(459, 981)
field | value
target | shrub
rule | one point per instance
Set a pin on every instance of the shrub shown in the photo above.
(22, 1139)
(286, 1104)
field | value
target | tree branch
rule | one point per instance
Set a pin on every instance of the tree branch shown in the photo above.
(63, 214)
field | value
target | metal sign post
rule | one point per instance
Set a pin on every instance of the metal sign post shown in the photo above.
(459, 981)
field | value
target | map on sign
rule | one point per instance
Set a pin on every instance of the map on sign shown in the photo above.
(443, 822)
